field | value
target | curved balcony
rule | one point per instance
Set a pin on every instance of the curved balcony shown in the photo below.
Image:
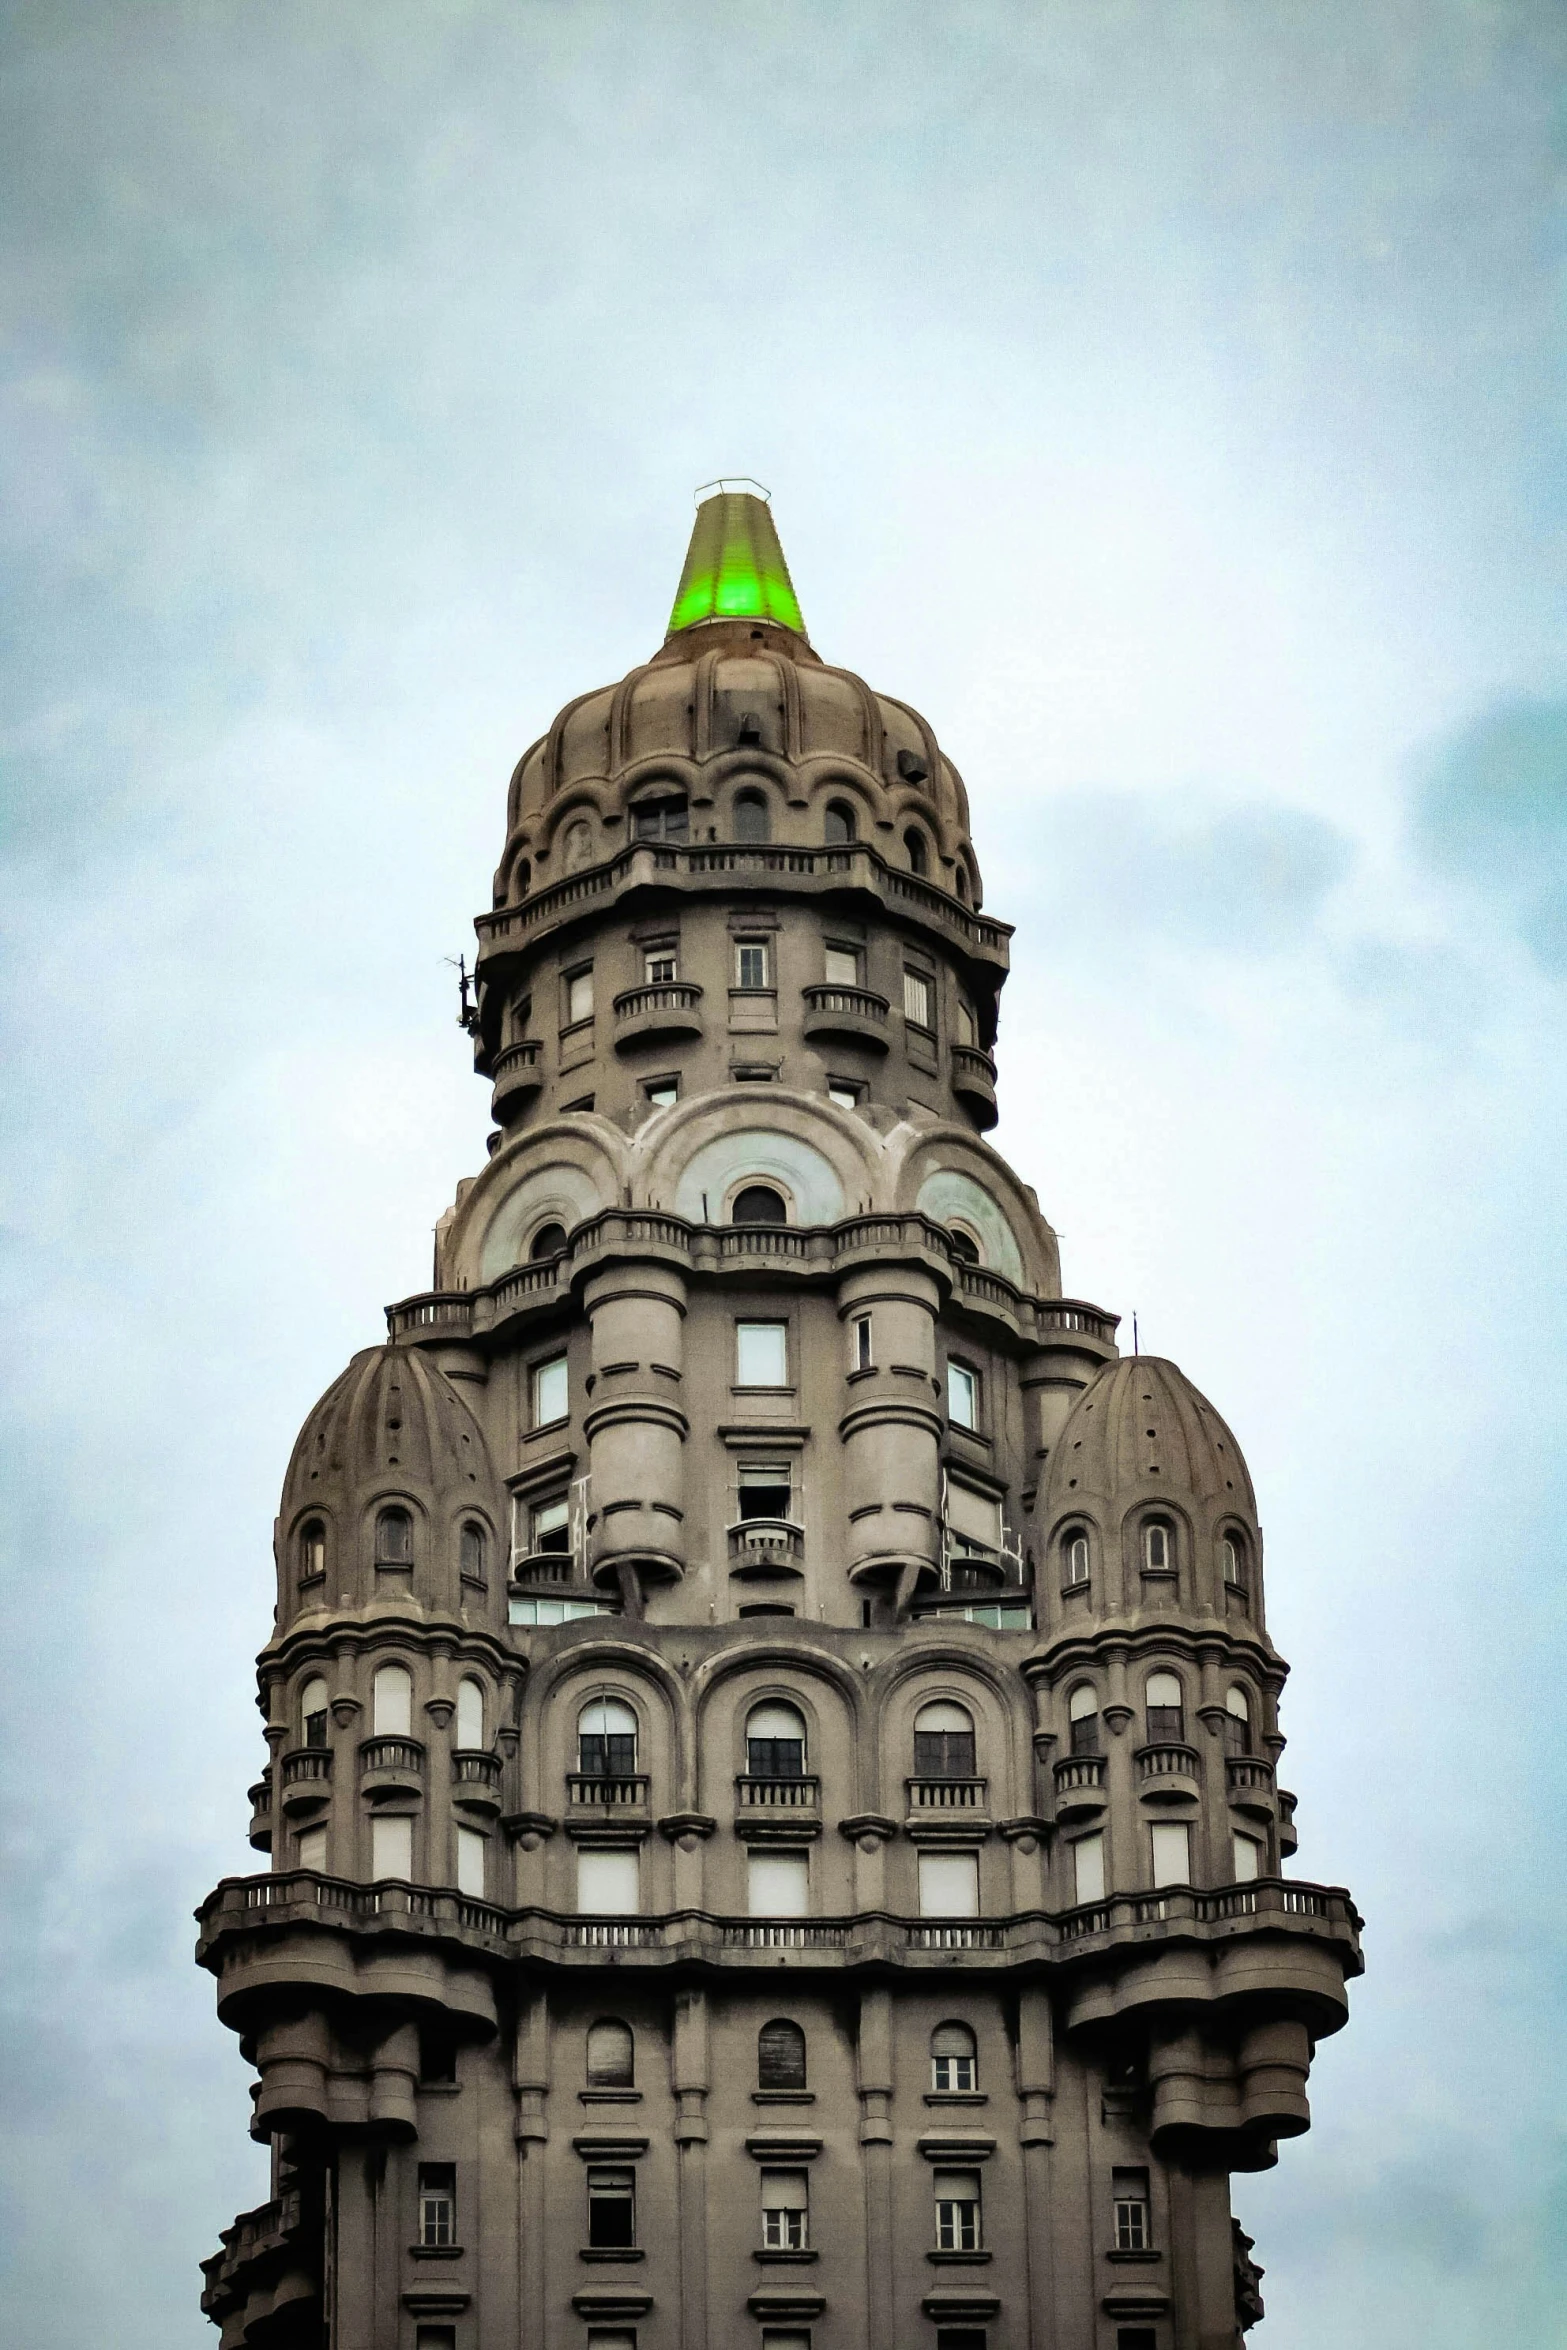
(664, 1012)
(1080, 1786)
(518, 1076)
(846, 1015)
(1169, 1773)
(306, 1779)
(766, 1546)
(543, 1570)
(260, 1829)
(391, 1766)
(476, 1779)
(1249, 1780)
(1289, 1838)
(974, 1083)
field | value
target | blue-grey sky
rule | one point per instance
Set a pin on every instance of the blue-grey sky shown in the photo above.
(1164, 395)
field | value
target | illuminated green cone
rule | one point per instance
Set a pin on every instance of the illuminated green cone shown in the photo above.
(735, 568)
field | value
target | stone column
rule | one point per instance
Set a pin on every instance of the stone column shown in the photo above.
(690, 2081)
(1036, 2085)
(891, 1431)
(874, 2057)
(530, 2081)
(636, 1426)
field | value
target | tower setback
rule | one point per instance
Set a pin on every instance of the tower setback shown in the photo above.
(772, 1809)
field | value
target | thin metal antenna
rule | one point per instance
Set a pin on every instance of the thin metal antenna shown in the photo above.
(1136, 1348)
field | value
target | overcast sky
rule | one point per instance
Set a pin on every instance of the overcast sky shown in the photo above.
(1168, 400)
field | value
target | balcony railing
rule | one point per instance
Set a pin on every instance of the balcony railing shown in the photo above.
(766, 1542)
(307, 1765)
(625, 1791)
(663, 1008)
(516, 1074)
(547, 1567)
(777, 1794)
(391, 1754)
(853, 1013)
(473, 1768)
(974, 1081)
(1168, 1760)
(946, 1794)
(1249, 1781)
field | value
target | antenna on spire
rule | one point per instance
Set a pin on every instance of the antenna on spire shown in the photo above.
(1136, 1347)
(467, 1009)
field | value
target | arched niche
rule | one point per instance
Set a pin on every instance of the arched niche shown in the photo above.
(949, 1196)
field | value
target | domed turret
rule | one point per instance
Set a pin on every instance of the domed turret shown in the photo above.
(1149, 1478)
(391, 1489)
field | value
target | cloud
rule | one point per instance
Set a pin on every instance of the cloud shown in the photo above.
(1490, 814)
(1248, 879)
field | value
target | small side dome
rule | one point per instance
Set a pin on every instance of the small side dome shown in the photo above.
(392, 1426)
(1142, 1426)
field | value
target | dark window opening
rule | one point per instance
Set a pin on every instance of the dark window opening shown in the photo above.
(437, 2203)
(918, 853)
(1085, 1733)
(470, 1554)
(666, 819)
(765, 1608)
(612, 2210)
(611, 2055)
(315, 1728)
(758, 1203)
(764, 1490)
(780, 2055)
(548, 1241)
(312, 1550)
(961, 1245)
(606, 1754)
(437, 2057)
(753, 818)
(839, 825)
(944, 1754)
(394, 1539)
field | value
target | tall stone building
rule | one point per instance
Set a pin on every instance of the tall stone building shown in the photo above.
(772, 1807)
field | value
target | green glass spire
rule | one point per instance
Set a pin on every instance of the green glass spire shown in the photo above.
(735, 568)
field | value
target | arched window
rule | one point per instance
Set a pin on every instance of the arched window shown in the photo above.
(606, 1739)
(524, 878)
(313, 1712)
(394, 1539)
(943, 1742)
(1232, 1558)
(548, 1241)
(1158, 1547)
(775, 1743)
(392, 1703)
(1166, 1709)
(470, 1715)
(577, 848)
(1074, 1555)
(838, 826)
(666, 818)
(954, 2069)
(312, 1550)
(780, 2055)
(471, 1553)
(963, 1244)
(753, 817)
(916, 849)
(960, 883)
(1082, 1713)
(758, 1203)
(612, 2055)
(1237, 1720)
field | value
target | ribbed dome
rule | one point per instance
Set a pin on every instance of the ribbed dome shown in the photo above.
(391, 1419)
(1142, 1426)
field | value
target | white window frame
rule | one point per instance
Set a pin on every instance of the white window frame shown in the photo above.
(542, 1382)
(962, 1382)
(579, 995)
(749, 1330)
(919, 999)
(760, 948)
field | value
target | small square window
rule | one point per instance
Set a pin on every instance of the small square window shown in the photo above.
(962, 1396)
(660, 966)
(579, 996)
(918, 999)
(751, 963)
(761, 1354)
(550, 1391)
(662, 1092)
(846, 1097)
(841, 967)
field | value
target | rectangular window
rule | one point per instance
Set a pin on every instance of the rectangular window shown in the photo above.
(761, 1354)
(612, 2210)
(555, 1611)
(437, 2203)
(608, 1884)
(778, 1885)
(1248, 1859)
(1172, 1853)
(550, 1393)
(846, 1097)
(1088, 1865)
(663, 1092)
(579, 996)
(751, 963)
(918, 999)
(470, 1863)
(973, 1520)
(1130, 2188)
(551, 1525)
(310, 1850)
(960, 2338)
(944, 1754)
(841, 967)
(392, 1847)
(949, 1884)
(792, 2338)
(660, 966)
(968, 1031)
(957, 2211)
(784, 2210)
(962, 1396)
(436, 2338)
(860, 1342)
(763, 1489)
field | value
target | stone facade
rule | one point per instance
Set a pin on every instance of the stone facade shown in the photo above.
(772, 1807)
